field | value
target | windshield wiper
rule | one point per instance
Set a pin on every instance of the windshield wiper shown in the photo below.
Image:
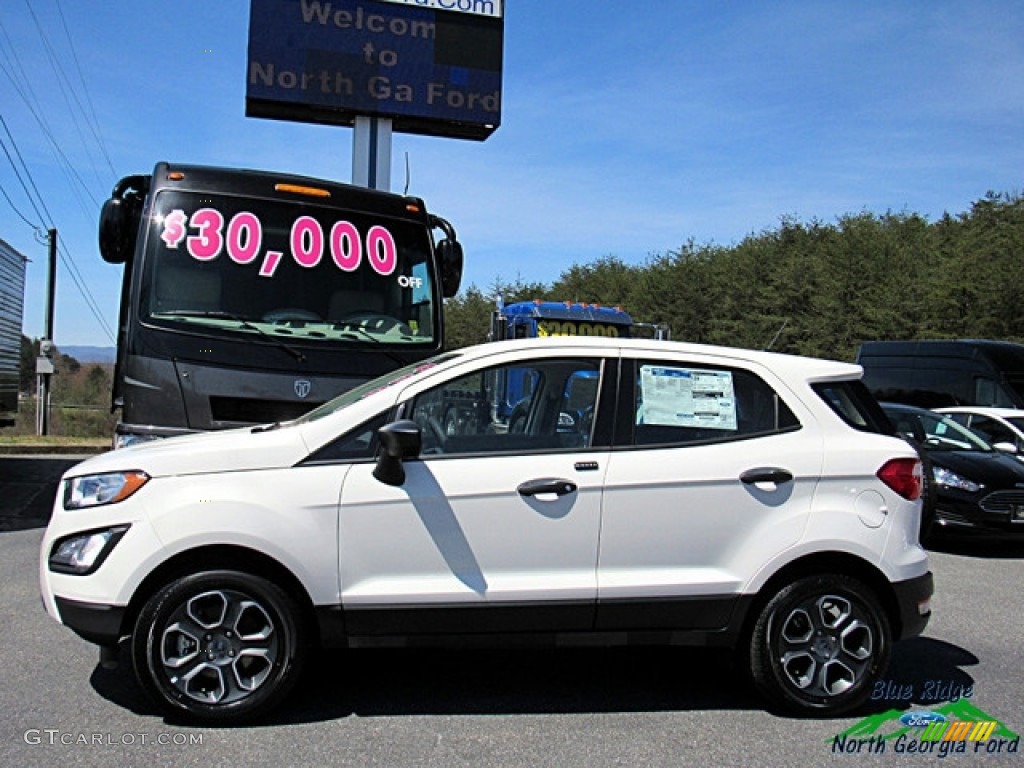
(375, 341)
(222, 315)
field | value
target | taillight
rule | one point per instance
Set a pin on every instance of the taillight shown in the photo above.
(903, 476)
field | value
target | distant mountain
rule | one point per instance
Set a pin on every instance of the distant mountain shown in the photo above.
(90, 354)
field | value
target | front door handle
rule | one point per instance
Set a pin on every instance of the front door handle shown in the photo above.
(554, 485)
(775, 475)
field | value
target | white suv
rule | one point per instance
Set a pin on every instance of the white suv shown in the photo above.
(648, 492)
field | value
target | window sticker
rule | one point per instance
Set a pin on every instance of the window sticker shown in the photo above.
(686, 397)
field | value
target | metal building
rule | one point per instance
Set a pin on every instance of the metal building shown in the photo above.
(12, 303)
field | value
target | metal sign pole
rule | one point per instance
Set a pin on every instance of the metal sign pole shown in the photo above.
(371, 153)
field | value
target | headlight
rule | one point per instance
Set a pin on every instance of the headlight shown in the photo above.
(108, 488)
(953, 480)
(83, 553)
(132, 438)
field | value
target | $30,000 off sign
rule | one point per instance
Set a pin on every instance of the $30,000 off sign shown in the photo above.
(243, 241)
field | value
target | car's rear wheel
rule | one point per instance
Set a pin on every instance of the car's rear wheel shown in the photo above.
(819, 644)
(218, 646)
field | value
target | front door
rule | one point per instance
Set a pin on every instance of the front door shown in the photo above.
(495, 528)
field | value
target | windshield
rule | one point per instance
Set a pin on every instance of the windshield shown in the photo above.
(375, 385)
(299, 273)
(936, 431)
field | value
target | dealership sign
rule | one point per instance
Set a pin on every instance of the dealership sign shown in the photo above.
(432, 66)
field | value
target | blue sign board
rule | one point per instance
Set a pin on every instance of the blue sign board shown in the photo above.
(432, 66)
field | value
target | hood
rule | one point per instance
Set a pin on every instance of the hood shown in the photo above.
(223, 451)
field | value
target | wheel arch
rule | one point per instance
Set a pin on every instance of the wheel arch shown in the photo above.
(219, 557)
(842, 563)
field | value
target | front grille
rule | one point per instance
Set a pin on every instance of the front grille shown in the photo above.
(1002, 502)
(246, 411)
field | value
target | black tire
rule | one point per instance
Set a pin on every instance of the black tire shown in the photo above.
(218, 646)
(819, 645)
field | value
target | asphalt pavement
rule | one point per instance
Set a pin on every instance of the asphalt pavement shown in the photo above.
(28, 485)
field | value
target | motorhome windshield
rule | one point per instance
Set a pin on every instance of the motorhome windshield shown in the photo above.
(374, 386)
(305, 274)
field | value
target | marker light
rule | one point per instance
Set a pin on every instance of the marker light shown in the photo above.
(298, 189)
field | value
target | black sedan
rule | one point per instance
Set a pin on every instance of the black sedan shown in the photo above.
(972, 486)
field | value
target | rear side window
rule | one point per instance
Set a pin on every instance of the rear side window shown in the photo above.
(855, 405)
(679, 404)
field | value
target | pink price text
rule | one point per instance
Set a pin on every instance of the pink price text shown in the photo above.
(206, 237)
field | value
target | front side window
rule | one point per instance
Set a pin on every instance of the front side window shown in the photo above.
(300, 273)
(527, 406)
(357, 444)
(680, 404)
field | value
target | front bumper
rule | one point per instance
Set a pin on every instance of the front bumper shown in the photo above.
(97, 623)
(961, 518)
(999, 511)
(913, 599)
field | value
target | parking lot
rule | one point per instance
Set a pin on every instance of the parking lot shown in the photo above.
(627, 707)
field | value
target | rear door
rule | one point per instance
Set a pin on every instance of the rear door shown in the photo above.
(712, 474)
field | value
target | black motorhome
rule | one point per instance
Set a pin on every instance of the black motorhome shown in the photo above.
(253, 296)
(932, 374)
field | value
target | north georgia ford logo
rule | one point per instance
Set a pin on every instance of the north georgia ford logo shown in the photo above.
(302, 388)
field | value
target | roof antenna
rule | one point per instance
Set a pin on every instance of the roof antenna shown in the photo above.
(406, 190)
(777, 334)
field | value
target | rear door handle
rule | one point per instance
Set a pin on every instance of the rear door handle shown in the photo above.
(775, 475)
(544, 485)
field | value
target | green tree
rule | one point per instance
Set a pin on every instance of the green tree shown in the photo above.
(811, 288)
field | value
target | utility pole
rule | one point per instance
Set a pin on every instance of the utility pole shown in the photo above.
(44, 363)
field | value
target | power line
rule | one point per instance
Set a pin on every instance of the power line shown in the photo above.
(39, 196)
(91, 118)
(64, 84)
(64, 254)
(22, 84)
(15, 208)
(17, 173)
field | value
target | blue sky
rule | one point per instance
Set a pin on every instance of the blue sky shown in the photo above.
(627, 129)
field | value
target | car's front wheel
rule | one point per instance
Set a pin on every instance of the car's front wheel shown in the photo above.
(218, 646)
(819, 644)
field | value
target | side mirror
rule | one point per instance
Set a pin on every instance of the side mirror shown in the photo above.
(1006, 447)
(398, 440)
(120, 219)
(114, 237)
(450, 258)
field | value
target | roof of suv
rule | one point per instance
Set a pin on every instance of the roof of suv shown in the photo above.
(805, 368)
